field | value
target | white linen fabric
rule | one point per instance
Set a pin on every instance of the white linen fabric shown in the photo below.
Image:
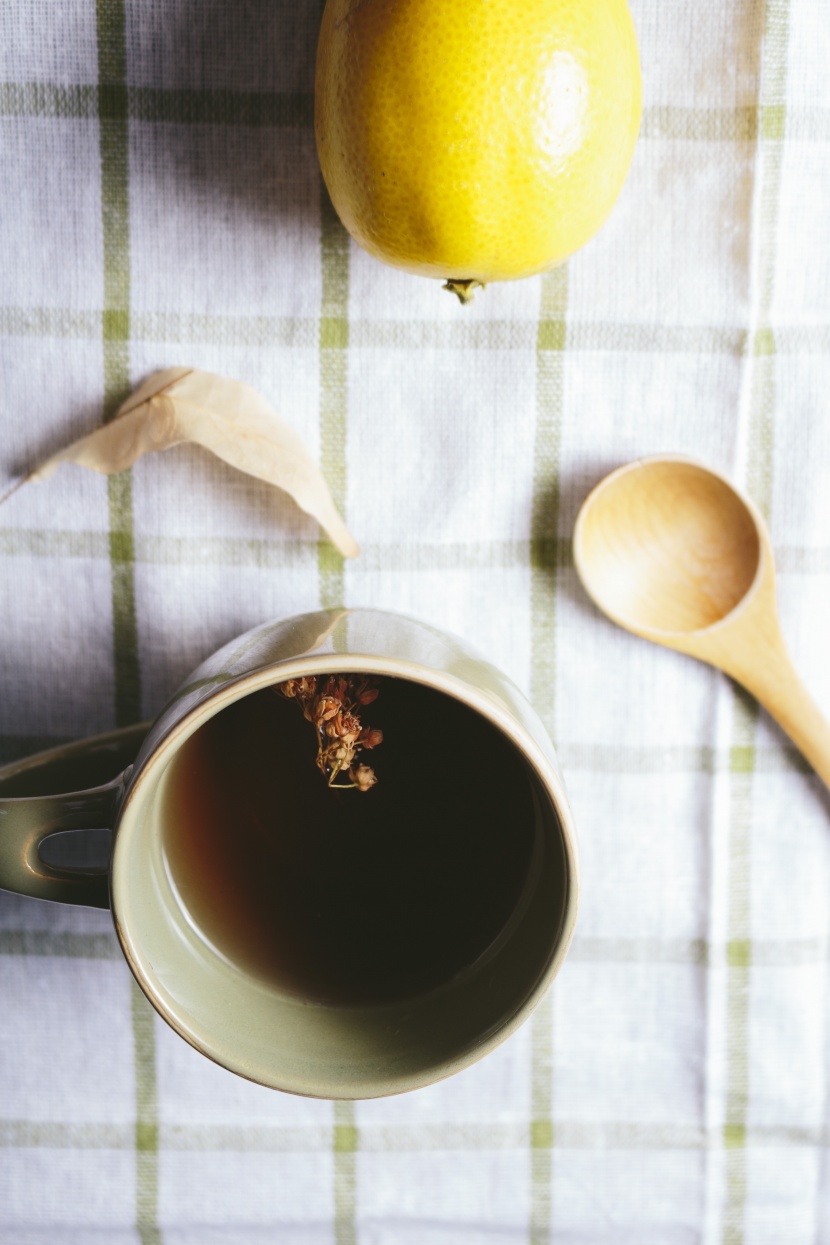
(160, 205)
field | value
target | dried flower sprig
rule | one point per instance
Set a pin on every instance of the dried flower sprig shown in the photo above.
(332, 705)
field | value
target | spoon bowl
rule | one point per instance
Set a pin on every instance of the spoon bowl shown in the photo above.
(673, 552)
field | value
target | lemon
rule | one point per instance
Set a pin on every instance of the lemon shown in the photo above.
(475, 140)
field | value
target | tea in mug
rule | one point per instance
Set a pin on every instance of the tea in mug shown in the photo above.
(346, 896)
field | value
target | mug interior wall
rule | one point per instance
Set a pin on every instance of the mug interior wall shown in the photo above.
(332, 1051)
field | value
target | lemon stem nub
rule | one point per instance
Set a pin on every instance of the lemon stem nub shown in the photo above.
(464, 290)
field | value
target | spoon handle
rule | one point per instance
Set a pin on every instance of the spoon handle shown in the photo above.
(777, 685)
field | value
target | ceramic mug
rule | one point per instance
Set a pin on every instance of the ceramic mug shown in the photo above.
(453, 937)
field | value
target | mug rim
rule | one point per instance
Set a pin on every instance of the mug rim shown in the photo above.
(238, 687)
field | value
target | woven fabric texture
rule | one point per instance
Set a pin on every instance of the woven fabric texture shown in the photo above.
(160, 205)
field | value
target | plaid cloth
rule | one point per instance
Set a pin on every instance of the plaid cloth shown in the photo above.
(160, 204)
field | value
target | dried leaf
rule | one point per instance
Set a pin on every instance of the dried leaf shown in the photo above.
(225, 416)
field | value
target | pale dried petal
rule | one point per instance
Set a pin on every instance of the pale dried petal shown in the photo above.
(227, 417)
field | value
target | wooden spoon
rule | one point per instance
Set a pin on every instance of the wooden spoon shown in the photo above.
(672, 551)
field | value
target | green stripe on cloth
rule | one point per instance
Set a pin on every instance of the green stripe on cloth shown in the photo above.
(114, 143)
(58, 1135)
(760, 433)
(695, 952)
(122, 560)
(333, 341)
(113, 122)
(738, 959)
(48, 99)
(345, 1139)
(270, 331)
(712, 125)
(64, 944)
(582, 336)
(670, 759)
(275, 109)
(217, 107)
(545, 552)
(161, 550)
(178, 107)
(266, 332)
(146, 1124)
(545, 545)
(263, 331)
(762, 344)
(629, 1136)
(575, 758)
(50, 322)
(542, 1134)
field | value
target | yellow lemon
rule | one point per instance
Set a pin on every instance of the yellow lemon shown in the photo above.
(475, 140)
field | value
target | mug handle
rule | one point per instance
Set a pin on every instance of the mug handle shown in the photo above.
(27, 819)
(26, 822)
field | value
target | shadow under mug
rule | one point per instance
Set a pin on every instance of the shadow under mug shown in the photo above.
(462, 862)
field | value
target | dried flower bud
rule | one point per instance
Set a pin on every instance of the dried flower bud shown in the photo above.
(325, 708)
(344, 726)
(338, 755)
(363, 776)
(366, 693)
(370, 738)
(301, 688)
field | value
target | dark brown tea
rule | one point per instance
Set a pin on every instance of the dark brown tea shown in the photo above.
(348, 896)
